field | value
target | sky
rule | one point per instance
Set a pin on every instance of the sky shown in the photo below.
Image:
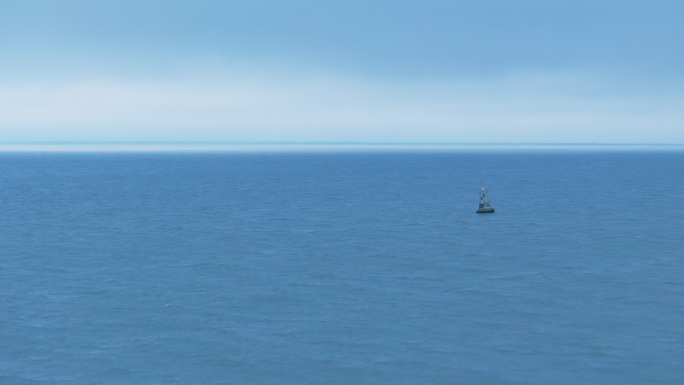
(376, 71)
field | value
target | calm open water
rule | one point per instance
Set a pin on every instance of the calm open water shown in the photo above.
(348, 267)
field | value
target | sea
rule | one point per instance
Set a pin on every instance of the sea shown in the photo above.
(341, 265)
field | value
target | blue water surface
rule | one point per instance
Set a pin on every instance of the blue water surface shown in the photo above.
(347, 267)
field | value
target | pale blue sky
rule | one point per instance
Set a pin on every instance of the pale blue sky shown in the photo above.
(368, 71)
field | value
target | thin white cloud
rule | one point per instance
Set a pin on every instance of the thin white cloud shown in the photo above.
(250, 107)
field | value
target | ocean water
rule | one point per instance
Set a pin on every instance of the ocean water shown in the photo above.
(342, 267)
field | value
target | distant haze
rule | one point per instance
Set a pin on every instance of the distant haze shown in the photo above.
(374, 71)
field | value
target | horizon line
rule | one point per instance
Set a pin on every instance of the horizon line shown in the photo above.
(303, 147)
(312, 143)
